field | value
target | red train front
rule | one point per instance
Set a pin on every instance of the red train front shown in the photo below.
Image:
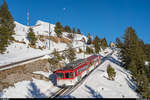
(76, 70)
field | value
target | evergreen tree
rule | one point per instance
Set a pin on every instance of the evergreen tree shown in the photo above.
(6, 27)
(58, 29)
(67, 29)
(78, 31)
(147, 51)
(32, 37)
(70, 53)
(134, 58)
(80, 50)
(89, 50)
(118, 43)
(73, 30)
(57, 56)
(4, 37)
(104, 43)
(97, 44)
(89, 39)
(6, 18)
(111, 72)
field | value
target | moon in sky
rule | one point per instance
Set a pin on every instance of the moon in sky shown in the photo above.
(64, 9)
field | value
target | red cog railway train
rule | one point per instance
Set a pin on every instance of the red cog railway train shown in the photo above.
(76, 70)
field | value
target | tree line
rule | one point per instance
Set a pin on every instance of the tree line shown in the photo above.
(59, 29)
(133, 54)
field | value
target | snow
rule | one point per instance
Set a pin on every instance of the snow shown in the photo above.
(98, 86)
(18, 51)
(95, 86)
(147, 63)
(31, 89)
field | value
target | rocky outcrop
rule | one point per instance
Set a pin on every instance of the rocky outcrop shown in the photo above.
(23, 72)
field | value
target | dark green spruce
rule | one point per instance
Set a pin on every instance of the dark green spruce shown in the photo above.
(6, 27)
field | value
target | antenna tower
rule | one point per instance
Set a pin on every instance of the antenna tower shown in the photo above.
(27, 17)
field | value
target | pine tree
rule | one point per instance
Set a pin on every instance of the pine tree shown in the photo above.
(70, 53)
(133, 56)
(67, 29)
(78, 31)
(4, 37)
(73, 30)
(147, 51)
(96, 43)
(6, 27)
(89, 50)
(111, 72)
(6, 17)
(32, 37)
(118, 43)
(89, 39)
(80, 50)
(58, 29)
(57, 56)
(104, 43)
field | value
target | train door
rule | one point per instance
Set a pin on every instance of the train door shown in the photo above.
(88, 66)
(95, 62)
(78, 73)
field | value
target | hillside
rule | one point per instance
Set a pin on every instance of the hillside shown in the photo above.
(20, 49)
(95, 86)
(98, 86)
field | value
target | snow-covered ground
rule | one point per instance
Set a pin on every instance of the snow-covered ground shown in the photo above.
(36, 88)
(19, 51)
(95, 86)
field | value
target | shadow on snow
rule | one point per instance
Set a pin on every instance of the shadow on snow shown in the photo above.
(68, 96)
(1, 94)
(52, 78)
(93, 92)
(34, 92)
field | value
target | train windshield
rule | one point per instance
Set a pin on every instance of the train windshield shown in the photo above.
(60, 75)
(68, 75)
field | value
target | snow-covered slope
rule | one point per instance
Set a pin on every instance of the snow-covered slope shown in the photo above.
(19, 51)
(96, 85)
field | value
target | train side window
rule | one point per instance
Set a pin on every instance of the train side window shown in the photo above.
(60, 75)
(68, 75)
(74, 73)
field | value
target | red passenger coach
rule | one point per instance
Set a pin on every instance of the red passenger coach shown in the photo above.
(76, 70)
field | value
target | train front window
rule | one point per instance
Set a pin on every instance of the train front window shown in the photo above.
(60, 75)
(68, 75)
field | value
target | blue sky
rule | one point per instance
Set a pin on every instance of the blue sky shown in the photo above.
(105, 18)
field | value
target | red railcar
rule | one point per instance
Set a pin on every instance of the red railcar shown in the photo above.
(76, 70)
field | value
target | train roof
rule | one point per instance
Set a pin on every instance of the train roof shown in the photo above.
(74, 64)
(91, 57)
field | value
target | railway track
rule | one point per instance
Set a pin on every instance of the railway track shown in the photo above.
(65, 91)
(8, 66)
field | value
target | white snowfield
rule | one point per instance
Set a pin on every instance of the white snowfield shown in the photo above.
(96, 84)
(18, 51)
